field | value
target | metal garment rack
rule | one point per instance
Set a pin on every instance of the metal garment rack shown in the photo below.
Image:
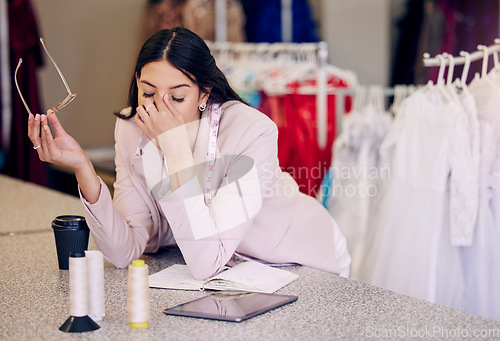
(220, 20)
(321, 49)
(287, 37)
(441, 60)
(340, 95)
(483, 52)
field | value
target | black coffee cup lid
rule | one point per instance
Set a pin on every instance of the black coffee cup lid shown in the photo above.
(69, 221)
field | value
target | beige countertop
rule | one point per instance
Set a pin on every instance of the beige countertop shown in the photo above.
(26, 207)
(34, 294)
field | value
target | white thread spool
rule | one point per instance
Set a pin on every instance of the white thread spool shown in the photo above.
(78, 297)
(95, 274)
(138, 311)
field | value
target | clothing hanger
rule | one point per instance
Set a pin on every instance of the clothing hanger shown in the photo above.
(371, 100)
(461, 83)
(486, 55)
(272, 76)
(305, 66)
(430, 83)
(484, 72)
(495, 71)
(302, 64)
(442, 67)
(378, 98)
(453, 87)
(451, 68)
(440, 83)
(397, 98)
(465, 71)
(359, 98)
(484, 69)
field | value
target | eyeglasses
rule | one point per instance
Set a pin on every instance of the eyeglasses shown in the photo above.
(71, 96)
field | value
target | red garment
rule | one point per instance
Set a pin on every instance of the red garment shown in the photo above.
(22, 161)
(273, 107)
(298, 150)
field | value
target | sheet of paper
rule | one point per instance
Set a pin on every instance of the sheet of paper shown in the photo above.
(176, 276)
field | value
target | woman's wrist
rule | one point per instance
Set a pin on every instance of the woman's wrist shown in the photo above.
(88, 181)
(176, 148)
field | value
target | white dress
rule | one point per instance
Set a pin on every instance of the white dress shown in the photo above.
(482, 260)
(356, 175)
(415, 224)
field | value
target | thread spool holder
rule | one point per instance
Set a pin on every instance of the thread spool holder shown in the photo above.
(78, 324)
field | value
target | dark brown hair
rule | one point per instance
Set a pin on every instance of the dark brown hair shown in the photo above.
(188, 53)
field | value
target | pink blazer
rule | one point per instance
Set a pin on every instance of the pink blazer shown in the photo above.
(257, 210)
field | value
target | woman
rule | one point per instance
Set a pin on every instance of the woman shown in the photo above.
(195, 167)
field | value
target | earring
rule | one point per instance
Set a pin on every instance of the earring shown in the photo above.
(202, 106)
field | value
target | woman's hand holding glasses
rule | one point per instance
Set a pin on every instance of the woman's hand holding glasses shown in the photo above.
(62, 150)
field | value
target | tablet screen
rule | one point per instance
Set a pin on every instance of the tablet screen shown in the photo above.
(234, 307)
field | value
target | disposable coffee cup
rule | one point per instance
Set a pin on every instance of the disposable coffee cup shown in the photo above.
(72, 235)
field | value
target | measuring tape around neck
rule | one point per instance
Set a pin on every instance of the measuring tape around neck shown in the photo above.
(212, 147)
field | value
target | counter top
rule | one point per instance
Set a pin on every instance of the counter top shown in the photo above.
(34, 299)
(26, 207)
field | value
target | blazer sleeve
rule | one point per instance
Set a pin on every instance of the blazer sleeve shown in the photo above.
(208, 236)
(121, 227)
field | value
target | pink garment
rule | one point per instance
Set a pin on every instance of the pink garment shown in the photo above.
(282, 225)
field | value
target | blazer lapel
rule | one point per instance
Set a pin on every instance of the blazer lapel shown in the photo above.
(155, 170)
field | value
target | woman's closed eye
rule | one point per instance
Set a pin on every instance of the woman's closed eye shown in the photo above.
(175, 99)
(179, 100)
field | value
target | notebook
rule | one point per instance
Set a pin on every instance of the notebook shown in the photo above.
(249, 276)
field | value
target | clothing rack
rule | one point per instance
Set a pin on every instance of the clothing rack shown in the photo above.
(274, 49)
(340, 95)
(286, 21)
(465, 57)
(220, 20)
(441, 60)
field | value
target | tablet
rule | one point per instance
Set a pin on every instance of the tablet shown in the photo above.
(233, 307)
